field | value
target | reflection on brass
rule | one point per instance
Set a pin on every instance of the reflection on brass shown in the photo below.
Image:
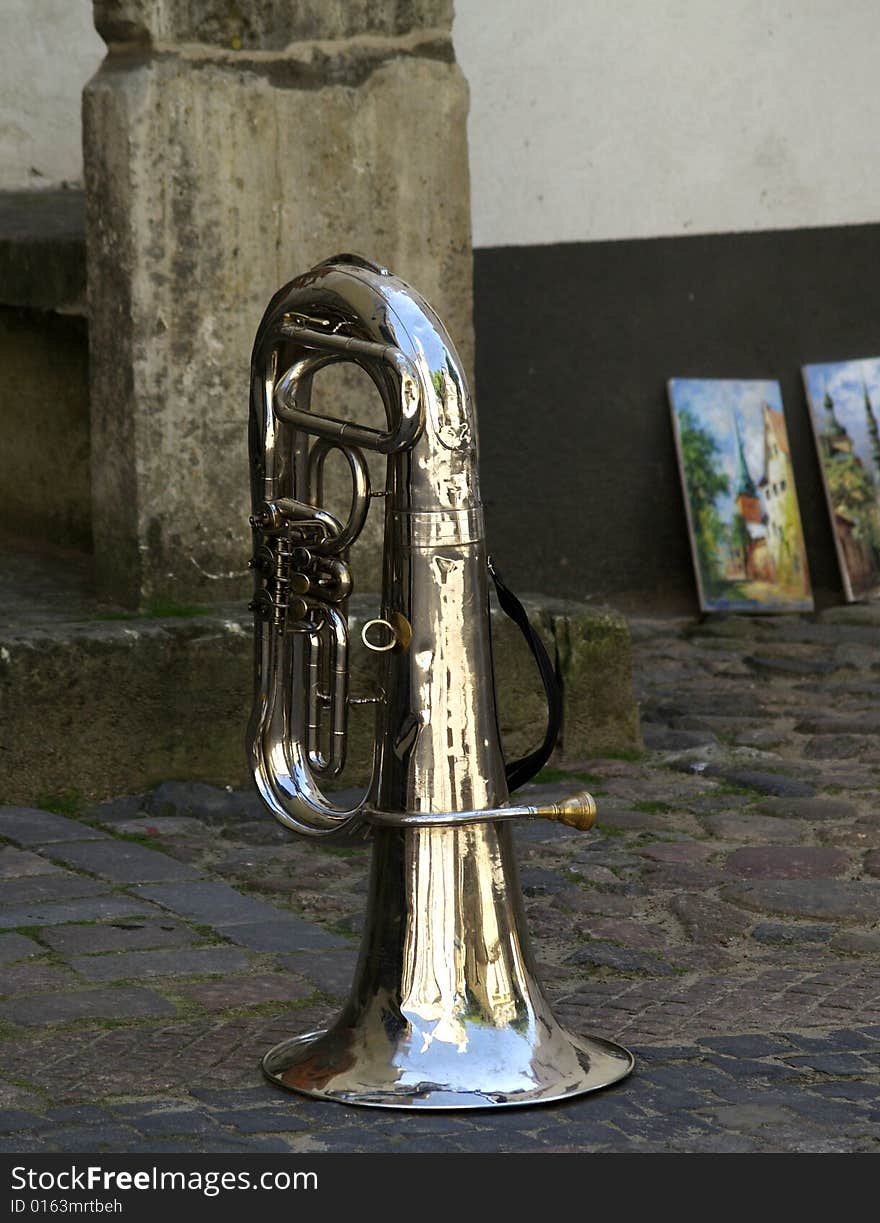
(445, 1009)
(403, 631)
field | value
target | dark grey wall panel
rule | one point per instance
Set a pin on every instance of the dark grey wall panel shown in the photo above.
(574, 346)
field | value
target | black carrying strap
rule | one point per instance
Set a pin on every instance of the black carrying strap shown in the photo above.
(521, 771)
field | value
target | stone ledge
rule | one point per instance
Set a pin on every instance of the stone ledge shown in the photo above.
(109, 706)
(43, 250)
(264, 24)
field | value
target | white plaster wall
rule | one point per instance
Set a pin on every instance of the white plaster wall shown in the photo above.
(48, 50)
(590, 119)
(595, 119)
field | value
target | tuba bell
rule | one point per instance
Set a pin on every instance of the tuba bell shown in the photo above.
(445, 1010)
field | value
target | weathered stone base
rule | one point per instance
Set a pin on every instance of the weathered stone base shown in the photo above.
(107, 706)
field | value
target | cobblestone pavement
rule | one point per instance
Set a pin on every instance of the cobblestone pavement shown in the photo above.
(723, 921)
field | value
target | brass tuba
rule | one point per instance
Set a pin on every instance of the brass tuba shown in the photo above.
(445, 1010)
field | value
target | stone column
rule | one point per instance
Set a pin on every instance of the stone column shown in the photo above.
(228, 148)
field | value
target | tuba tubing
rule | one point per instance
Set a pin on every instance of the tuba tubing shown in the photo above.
(349, 310)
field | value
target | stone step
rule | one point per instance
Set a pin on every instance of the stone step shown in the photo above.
(101, 702)
(43, 250)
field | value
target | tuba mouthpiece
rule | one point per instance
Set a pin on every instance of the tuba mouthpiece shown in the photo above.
(578, 811)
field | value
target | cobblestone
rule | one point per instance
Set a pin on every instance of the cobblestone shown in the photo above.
(15, 1120)
(858, 942)
(664, 739)
(832, 898)
(126, 806)
(79, 1114)
(208, 803)
(606, 955)
(33, 978)
(38, 888)
(865, 724)
(263, 1120)
(776, 932)
(286, 933)
(754, 828)
(15, 863)
(845, 1039)
(832, 1063)
(215, 904)
(124, 1003)
(16, 947)
(776, 862)
(30, 826)
(722, 922)
(125, 935)
(148, 826)
(679, 852)
(329, 971)
(765, 783)
(708, 920)
(162, 963)
(812, 809)
(247, 991)
(96, 908)
(644, 936)
(163, 1122)
(123, 862)
(89, 1138)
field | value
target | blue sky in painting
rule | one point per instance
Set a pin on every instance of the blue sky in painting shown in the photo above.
(712, 403)
(843, 379)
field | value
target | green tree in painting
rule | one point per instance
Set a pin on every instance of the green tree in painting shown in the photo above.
(855, 495)
(704, 483)
(852, 490)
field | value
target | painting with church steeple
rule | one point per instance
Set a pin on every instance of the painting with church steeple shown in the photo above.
(844, 399)
(740, 497)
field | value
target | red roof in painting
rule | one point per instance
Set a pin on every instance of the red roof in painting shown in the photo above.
(777, 424)
(750, 508)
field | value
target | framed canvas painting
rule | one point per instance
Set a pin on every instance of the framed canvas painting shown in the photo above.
(844, 401)
(739, 493)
